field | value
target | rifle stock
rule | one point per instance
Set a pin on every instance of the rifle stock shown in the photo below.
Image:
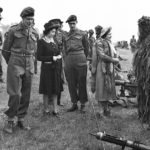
(125, 83)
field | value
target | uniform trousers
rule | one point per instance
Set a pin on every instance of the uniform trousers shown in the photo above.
(19, 80)
(76, 73)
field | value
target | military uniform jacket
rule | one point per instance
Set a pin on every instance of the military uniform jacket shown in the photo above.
(76, 41)
(20, 41)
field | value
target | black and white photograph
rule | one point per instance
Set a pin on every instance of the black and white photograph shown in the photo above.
(74, 75)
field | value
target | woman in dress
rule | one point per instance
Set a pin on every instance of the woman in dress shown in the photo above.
(103, 70)
(50, 77)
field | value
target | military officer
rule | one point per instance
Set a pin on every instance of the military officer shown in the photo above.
(18, 50)
(1, 42)
(76, 51)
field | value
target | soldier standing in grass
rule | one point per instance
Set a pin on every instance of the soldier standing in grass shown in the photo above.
(18, 50)
(76, 50)
(133, 44)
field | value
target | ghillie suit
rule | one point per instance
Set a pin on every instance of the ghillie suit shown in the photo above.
(141, 66)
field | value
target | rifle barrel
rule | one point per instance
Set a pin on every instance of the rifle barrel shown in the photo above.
(120, 141)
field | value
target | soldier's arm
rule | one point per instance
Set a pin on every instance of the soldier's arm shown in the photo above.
(8, 42)
(63, 47)
(64, 50)
(85, 45)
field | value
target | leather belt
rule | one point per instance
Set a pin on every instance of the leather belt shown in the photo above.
(21, 54)
(75, 52)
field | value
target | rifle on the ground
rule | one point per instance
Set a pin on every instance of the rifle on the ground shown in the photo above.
(120, 141)
(127, 85)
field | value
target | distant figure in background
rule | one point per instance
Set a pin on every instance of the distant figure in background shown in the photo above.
(133, 44)
(91, 44)
(1, 42)
(50, 77)
(103, 70)
(76, 49)
(18, 50)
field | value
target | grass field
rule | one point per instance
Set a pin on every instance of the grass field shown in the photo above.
(71, 131)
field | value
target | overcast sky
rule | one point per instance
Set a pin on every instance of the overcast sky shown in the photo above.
(122, 15)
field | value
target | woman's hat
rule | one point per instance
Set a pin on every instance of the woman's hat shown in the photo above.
(57, 21)
(105, 31)
(51, 25)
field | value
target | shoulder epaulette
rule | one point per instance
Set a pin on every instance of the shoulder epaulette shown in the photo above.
(13, 26)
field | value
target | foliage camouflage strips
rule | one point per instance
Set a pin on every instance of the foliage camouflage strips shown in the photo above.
(142, 69)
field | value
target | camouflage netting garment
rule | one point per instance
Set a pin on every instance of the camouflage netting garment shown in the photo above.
(142, 69)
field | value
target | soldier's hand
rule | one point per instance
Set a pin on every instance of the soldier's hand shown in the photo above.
(116, 60)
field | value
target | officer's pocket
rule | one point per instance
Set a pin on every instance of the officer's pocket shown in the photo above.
(19, 41)
(14, 60)
(77, 40)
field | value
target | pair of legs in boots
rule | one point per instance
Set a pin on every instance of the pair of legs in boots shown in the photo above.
(19, 89)
(77, 87)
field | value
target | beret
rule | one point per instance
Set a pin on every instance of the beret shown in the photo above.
(28, 11)
(1, 9)
(98, 27)
(51, 25)
(91, 31)
(71, 18)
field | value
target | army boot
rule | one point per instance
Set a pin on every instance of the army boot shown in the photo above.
(9, 127)
(73, 108)
(82, 109)
(22, 127)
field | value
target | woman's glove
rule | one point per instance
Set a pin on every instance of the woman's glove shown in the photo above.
(57, 57)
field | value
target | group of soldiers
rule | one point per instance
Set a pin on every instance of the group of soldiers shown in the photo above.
(19, 52)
